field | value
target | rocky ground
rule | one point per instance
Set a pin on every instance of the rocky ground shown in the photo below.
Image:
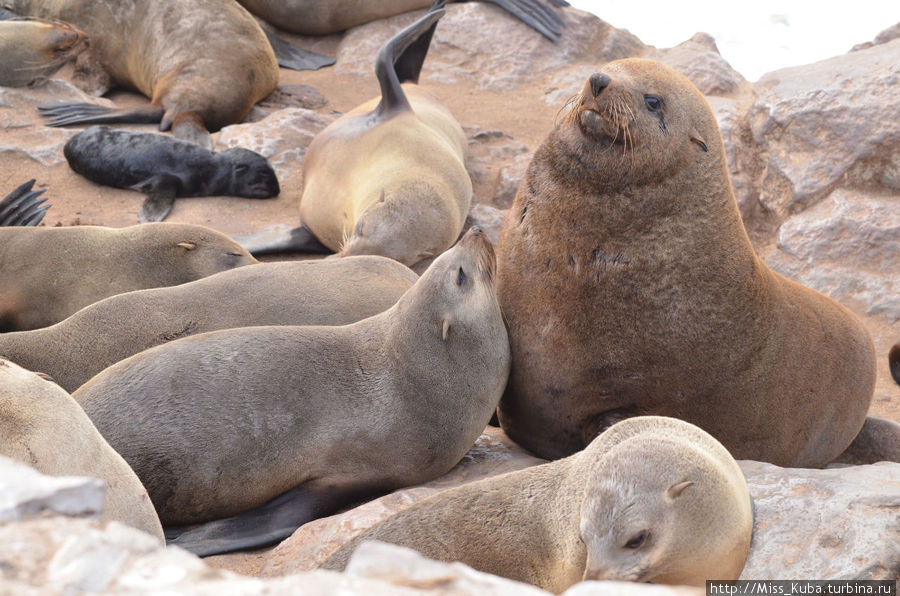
(814, 153)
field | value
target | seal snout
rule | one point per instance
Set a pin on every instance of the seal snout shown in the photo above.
(477, 242)
(598, 82)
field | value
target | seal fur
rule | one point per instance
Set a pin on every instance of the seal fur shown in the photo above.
(34, 49)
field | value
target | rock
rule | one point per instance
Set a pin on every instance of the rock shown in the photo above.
(496, 163)
(889, 34)
(25, 492)
(729, 115)
(848, 247)
(826, 123)
(825, 524)
(699, 60)
(488, 219)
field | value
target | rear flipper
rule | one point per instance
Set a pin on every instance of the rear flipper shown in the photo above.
(281, 238)
(161, 191)
(296, 58)
(536, 15)
(878, 440)
(21, 207)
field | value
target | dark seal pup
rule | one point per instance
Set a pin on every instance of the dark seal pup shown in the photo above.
(165, 168)
(22, 207)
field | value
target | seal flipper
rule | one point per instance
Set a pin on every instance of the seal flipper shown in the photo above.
(294, 57)
(161, 190)
(64, 114)
(536, 15)
(281, 238)
(21, 207)
(878, 440)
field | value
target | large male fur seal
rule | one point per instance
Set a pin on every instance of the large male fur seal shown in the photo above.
(34, 49)
(203, 64)
(325, 292)
(46, 274)
(22, 207)
(630, 287)
(313, 17)
(651, 499)
(166, 168)
(220, 423)
(42, 426)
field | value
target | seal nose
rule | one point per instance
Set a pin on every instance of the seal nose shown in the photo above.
(477, 229)
(599, 82)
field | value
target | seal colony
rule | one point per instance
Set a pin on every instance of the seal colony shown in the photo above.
(630, 287)
(34, 49)
(651, 499)
(312, 417)
(22, 207)
(166, 168)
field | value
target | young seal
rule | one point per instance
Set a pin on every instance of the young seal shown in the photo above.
(389, 177)
(652, 499)
(313, 17)
(166, 168)
(203, 64)
(326, 292)
(22, 207)
(42, 426)
(34, 49)
(630, 287)
(47, 274)
(221, 423)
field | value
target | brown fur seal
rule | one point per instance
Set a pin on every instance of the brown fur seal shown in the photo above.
(630, 287)
(389, 177)
(326, 292)
(651, 499)
(42, 426)
(313, 17)
(221, 423)
(34, 49)
(22, 207)
(203, 64)
(46, 274)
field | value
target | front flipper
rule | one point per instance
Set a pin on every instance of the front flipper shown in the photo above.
(21, 207)
(161, 191)
(536, 15)
(296, 58)
(281, 238)
(878, 440)
(64, 114)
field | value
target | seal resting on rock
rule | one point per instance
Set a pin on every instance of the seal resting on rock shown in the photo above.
(630, 287)
(286, 424)
(47, 274)
(166, 168)
(325, 292)
(652, 499)
(42, 426)
(21, 207)
(34, 49)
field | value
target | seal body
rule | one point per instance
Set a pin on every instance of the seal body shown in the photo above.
(324, 413)
(34, 49)
(166, 168)
(652, 499)
(42, 426)
(49, 273)
(326, 292)
(630, 287)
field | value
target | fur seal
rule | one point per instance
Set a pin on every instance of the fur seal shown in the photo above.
(630, 287)
(326, 292)
(894, 362)
(166, 168)
(34, 49)
(22, 207)
(389, 177)
(651, 499)
(47, 274)
(312, 17)
(203, 64)
(42, 426)
(308, 419)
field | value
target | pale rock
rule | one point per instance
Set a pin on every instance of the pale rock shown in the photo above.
(496, 164)
(700, 61)
(489, 219)
(847, 247)
(889, 34)
(25, 492)
(829, 123)
(839, 523)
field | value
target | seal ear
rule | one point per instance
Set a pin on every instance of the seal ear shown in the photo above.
(676, 489)
(445, 330)
(187, 245)
(696, 138)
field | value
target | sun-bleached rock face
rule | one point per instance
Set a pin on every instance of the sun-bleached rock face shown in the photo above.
(25, 492)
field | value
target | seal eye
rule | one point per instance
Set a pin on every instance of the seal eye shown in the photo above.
(461, 277)
(654, 102)
(637, 540)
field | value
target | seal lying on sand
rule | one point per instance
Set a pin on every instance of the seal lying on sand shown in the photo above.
(325, 292)
(22, 207)
(630, 287)
(651, 499)
(222, 423)
(166, 168)
(47, 274)
(42, 426)
(34, 49)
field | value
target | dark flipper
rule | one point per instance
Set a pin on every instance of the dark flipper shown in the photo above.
(281, 238)
(161, 191)
(536, 15)
(878, 440)
(393, 99)
(5, 14)
(408, 64)
(894, 362)
(21, 207)
(296, 58)
(64, 114)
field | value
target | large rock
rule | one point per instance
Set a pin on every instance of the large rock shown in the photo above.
(496, 163)
(700, 61)
(25, 492)
(839, 523)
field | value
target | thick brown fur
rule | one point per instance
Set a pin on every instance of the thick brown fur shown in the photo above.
(326, 292)
(42, 426)
(630, 287)
(47, 274)
(219, 423)
(34, 49)
(559, 523)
